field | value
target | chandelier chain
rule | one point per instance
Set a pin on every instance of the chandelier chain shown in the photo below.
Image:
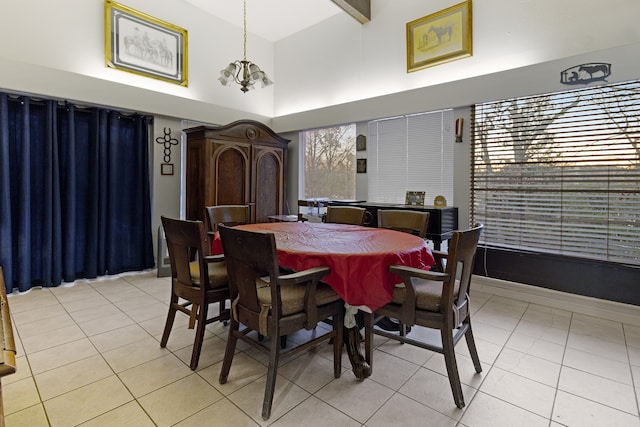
(245, 30)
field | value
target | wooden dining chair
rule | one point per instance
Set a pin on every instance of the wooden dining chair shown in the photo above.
(407, 221)
(437, 300)
(227, 214)
(197, 278)
(345, 215)
(274, 305)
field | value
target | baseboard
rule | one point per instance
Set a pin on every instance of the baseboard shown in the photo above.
(625, 313)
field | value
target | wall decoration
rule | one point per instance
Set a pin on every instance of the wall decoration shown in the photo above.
(459, 127)
(585, 73)
(361, 143)
(140, 44)
(361, 165)
(440, 37)
(414, 198)
(166, 168)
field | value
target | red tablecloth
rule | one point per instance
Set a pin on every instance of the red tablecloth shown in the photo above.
(359, 257)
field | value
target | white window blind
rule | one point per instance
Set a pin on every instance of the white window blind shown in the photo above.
(560, 173)
(411, 153)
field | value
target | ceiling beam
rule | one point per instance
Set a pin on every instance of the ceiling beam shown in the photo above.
(359, 9)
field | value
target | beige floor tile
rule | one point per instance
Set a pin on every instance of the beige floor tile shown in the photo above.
(498, 320)
(94, 302)
(487, 351)
(519, 391)
(128, 415)
(35, 299)
(391, 371)
(244, 370)
(33, 416)
(212, 351)
(106, 324)
(433, 390)
(536, 347)
(345, 394)
(315, 413)
(543, 332)
(488, 411)
(598, 365)
(52, 338)
(410, 353)
(88, 314)
(309, 371)
(222, 412)
(528, 366)
(37, 314)
(632, 335)
(119, 337)
(249, 398)
(134, 354)
(155, 374)
(489, 332)
(69, 377)
(599, 346)
(61, 355)
(19, 395)
(23, 370)
(607, 330)
(403, 411)
(38, 327)
(574, 411)
(179, 400)
(611, 393)
(89, 402)
(466, 369)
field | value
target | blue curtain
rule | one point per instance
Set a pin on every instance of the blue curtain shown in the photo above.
(74, 192)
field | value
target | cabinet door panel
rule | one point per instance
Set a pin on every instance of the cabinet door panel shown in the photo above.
(268, 178)
(232, 177)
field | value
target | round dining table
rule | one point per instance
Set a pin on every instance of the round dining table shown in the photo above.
(359, 257)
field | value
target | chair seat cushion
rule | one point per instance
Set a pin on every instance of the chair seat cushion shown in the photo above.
(217, 273)
(428, 294)
(293, 296)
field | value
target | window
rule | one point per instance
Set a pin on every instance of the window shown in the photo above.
(411, 153)
(329, 163)
(560, 173)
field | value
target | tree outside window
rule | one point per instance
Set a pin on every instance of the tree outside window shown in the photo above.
(330, 162)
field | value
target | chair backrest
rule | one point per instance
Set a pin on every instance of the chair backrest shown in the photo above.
(345, 215)
(249, 256)
(186, 241)
(413, 222)
(228, 214)
(460, 259)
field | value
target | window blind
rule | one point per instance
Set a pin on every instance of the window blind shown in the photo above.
(560, 173)
(411, 153)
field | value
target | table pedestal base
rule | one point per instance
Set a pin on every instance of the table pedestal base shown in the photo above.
(352, 340)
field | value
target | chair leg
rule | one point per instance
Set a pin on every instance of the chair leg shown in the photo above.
(269, 390)
(170, 318)
(471, 344)
(197, 344)
(229, 351)
(452, 367)
(338, 343)
(368, 338)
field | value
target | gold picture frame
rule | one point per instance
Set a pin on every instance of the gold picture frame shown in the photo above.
(415, 198)
(144, 45)
(440, 37)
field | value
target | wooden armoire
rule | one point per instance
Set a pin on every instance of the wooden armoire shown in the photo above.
(242, 163)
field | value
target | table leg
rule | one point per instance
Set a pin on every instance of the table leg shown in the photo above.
(352, 340)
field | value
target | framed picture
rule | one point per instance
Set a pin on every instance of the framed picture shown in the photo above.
(361, 165)
(361, 143)
(414, 198)
(166, 169)
(440, 37)
(140, 44)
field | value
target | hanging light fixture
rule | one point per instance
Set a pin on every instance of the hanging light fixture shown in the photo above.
(244, 72)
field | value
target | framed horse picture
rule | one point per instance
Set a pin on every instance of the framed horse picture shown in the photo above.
(440, 37)
(140, 44)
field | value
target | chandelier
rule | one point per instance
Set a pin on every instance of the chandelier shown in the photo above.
(243, 72)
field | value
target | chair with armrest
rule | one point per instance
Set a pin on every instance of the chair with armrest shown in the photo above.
(345, 215)
(227, 214)
(274, 305)
(437, 300)
(196, 277)
(407, 221)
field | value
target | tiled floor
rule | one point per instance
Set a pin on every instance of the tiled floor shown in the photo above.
(89, 355)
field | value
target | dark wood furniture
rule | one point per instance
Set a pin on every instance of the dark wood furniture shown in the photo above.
(8, 359)
(437, 300)
(197, 280)
(242, 163)
(275, 305)
(442, 221)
